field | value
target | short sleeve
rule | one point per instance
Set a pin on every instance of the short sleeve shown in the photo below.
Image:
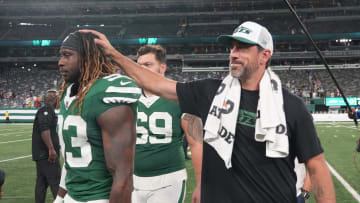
(114, 90)
(302, 129)
(45, 116)
(195, 97)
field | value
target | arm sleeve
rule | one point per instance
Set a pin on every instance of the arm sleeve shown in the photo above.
(307, 143)
(117, 90)
(187, 98)
(195, 97)
(45, 117)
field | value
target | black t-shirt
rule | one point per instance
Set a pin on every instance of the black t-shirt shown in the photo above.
(253, 176)
(45, 119)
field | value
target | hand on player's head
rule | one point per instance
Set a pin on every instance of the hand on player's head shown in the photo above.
(102, 41)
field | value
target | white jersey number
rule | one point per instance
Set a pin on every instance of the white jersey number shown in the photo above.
(80, 141)
(154, 129)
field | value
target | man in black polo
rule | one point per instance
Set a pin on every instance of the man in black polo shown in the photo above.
(45, 148)
(2, 180)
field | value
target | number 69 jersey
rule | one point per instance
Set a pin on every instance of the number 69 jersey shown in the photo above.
(159, 137)
(87, 175)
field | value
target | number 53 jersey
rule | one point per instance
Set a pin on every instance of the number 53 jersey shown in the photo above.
(159, 137)
(87, 175)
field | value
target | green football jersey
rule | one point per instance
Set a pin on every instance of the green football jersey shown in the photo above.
(159, 137)
(87, 175)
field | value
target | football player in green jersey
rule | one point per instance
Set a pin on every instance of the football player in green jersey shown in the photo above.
(97, 123)
(160, 174)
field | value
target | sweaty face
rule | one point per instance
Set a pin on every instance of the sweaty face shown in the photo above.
(149, 61)
(69, 65)
(243, 60)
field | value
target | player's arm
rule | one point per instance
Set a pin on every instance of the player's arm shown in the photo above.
(146, 79)
(118, 134)
(322, 185)
(45, 119)
(46, 137)
(193, 129)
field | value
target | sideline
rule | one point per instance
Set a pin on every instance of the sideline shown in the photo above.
(347, 186)
(20, 157)
(14, 141)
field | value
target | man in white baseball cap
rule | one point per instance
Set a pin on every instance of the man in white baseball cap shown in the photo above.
(254, 128)
(250, 33)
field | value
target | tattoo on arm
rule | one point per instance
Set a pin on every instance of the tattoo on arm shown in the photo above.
(195, 127)
(316, 188)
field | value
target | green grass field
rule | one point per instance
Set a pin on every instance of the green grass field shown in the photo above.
(338, 140)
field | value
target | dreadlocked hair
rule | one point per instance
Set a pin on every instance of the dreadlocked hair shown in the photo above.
(93, 65)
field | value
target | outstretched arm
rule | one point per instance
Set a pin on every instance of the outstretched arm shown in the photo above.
(146, 79)
(193, 129)
(118, 134)
(322, 185)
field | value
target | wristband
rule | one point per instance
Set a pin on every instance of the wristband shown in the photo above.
(305, 194)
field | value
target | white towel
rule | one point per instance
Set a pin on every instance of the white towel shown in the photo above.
(221, 121)
(271, 126)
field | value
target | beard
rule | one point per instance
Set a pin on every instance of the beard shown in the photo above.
(244, 73)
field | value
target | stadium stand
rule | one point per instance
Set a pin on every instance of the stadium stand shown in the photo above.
(188, 30)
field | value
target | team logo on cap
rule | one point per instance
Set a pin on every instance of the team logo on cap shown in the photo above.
(242, 29)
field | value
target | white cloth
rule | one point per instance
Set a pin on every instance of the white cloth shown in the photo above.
(173, 193)
(63, 176)
(68, 199)
(221, 121)
(160, 181)
(300, 171)
(58, 199)
(271, 126)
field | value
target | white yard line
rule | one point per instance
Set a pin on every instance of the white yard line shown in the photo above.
(14, 141)
(347, 186)
(20, 157)
(25, 133)
(16, 197)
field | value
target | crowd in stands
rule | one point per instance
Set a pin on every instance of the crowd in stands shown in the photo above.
(170, 18)
(24, 88)
(133, 7)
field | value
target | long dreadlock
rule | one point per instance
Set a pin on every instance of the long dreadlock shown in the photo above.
(93, 65)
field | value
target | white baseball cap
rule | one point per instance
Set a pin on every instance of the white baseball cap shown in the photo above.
(250, 33)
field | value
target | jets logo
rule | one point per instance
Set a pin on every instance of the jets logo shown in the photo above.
(242, 29)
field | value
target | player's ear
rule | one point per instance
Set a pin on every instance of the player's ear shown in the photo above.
(163, 68)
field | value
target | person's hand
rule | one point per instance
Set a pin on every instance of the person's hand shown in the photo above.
(60, 196)
(196, 195)
(351, 113)
(52, 156)
(102, 41)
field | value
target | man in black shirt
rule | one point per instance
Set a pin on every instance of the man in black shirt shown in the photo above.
(251, 172)
(45, 148)
(2, 180)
